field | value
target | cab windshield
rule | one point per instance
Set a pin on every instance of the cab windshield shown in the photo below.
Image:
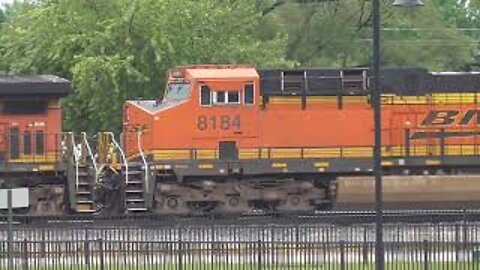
(177, 92)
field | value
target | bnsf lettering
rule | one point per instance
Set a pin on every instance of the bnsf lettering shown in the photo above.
(440, 118)
(449, 117)
(224, 122)
(469, 116)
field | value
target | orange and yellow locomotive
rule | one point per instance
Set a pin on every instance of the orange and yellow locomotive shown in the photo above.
(233, 138)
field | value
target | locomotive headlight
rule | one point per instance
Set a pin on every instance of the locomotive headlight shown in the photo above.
(176, 74)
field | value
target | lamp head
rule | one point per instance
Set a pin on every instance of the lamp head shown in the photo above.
(408, 3)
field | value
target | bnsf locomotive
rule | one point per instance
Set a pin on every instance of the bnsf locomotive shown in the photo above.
(233, 139)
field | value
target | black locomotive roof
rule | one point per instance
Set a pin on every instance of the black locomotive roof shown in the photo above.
(356, 81)
(21, 85)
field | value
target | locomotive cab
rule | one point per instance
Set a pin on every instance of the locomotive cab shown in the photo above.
(227, 116)
(211, 109)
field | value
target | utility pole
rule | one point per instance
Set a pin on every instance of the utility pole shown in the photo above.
(377, 113)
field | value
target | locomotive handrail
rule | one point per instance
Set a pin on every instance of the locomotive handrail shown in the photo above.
(76, 157)
(121, 154)
(90, 153)
(142, 155)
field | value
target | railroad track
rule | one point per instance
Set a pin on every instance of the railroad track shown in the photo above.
(332, 217)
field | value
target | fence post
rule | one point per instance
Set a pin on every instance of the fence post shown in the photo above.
(25, 254)
(180, 255)
(102, 257)
(10, 229)
(426, 254)
(365, 246)
(259, 254)
(86, 247)
(365, 253)
(457, 243)
(86, 251)
(342, 255)
(43, 248)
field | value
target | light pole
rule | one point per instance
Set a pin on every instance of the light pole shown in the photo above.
(377, 150)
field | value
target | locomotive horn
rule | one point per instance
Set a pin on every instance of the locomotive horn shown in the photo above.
(408, 3)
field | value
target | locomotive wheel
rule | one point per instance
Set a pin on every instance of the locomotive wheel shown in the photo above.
(170, 205)
(172, 202)
(295, 203)
(233, 201)
(233, 204)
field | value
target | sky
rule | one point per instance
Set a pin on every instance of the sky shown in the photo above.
(6, 1)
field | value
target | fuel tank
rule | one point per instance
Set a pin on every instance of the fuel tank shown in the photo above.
(410, 191)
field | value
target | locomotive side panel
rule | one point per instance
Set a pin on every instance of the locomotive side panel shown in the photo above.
(435, 128)
(321, 124)
(31, 131)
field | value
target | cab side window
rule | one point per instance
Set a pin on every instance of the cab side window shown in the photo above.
(220, 97)
(27, 143)
(205, 99)
(226, 97)
(248, 94)
(233, 97)
(39, 143)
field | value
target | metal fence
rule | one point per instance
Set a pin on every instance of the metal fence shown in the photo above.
(212, 246)
(102, 254)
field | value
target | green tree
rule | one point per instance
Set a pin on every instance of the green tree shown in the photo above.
(464, 14)
(338, 33)
(115, 50)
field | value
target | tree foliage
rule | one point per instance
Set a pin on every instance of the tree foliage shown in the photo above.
(338, 33)
(465, 16)
(3, 17)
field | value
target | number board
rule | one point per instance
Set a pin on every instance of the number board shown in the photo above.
(222, 122)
